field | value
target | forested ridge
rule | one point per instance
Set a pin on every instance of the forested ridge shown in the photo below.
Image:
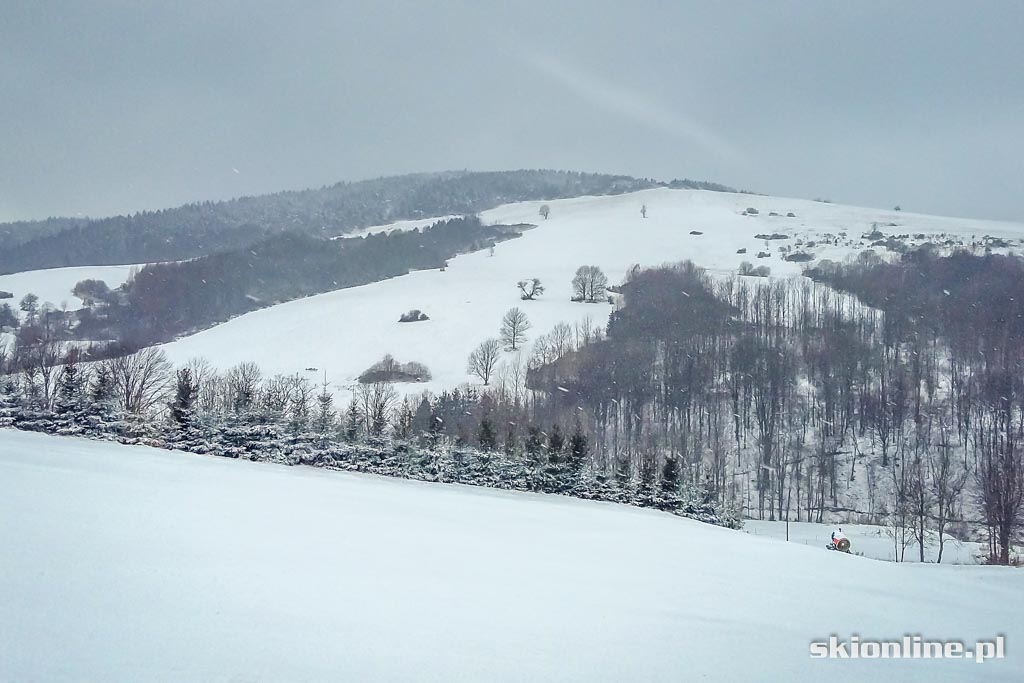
(205, 228)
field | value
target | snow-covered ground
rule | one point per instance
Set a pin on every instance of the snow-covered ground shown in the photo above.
(54, 285)
(131, 564)
(398, 226)
(869, 540)
(346, 331)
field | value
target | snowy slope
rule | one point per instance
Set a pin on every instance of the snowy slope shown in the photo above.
(130, 564)
(869, 540)
(346, 331)
(54, 285)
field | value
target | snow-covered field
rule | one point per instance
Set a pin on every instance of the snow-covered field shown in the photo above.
(131, 564)
(346, 331)
(869, 540)
(54, 285)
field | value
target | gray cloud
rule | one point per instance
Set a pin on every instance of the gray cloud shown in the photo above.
(114, 106)
(616, 98)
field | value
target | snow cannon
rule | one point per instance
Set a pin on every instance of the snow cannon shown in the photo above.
(840, 544)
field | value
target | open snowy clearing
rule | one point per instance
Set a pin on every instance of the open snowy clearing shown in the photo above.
(54, 285)
(398, 226)
(346, 331)
(128, 563)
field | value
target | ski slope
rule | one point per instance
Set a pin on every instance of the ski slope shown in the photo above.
(344, 332)
(869, 540)
(54, 285)
(131, 564)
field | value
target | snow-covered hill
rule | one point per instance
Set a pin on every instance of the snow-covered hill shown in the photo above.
(127, 563)
(346, 331)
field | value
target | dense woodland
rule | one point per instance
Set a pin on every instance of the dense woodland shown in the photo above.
(206, 228)
(799, 401)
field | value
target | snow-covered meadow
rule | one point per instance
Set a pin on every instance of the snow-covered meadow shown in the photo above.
(344, 332)
(54, 285)
(124, 563)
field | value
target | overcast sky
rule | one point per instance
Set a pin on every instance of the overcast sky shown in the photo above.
(115, 106)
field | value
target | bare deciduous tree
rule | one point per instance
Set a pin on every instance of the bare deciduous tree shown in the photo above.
(513, 328)
(586, 332)
(947, 484)
(242, 381)
(560, 341)
(530, 289)
(484, 359)
(300, 402)
(40, 361)
(375, 402)
(1000, 474)
(142, 379)
(589, 284)
(4, 355)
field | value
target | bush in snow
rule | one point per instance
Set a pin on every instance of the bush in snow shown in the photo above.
(530, 289)
(800, 257)
(413, 316)
(387, 369)
(747, 268)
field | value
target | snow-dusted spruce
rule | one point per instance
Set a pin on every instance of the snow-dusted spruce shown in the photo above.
(282, 421)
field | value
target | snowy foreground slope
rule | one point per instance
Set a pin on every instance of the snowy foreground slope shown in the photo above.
(346, 331)
(131, 564)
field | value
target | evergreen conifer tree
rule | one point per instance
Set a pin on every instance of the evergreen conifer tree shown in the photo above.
(579, 448)
(325, 414)
(185, 393)
(353, 421)
(102, 391)
(69, 389)
(670, 476)
(556, 442)
(486, 437)
(510, 439)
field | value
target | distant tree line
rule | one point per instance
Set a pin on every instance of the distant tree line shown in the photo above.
(169, 299)
(206, 228)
